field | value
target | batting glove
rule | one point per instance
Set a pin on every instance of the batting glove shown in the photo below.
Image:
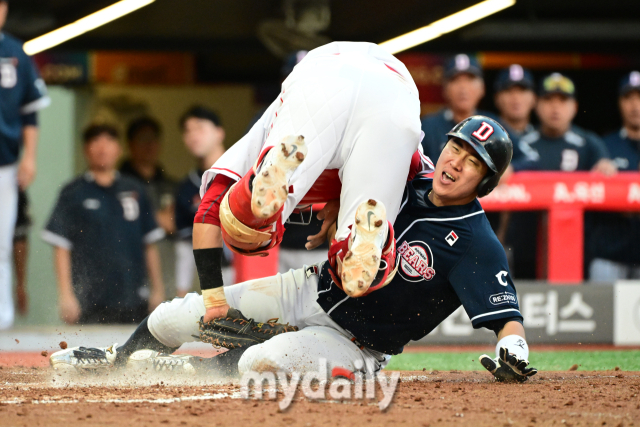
(508, 367)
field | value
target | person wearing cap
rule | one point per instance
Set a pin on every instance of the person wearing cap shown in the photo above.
(463, 88)
(22, 94)
(619, 259)
(555, 145)
(515, 99)
(203, 135)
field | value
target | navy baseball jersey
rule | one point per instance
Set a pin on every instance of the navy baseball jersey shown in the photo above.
(620, 231)
(576, 150)
(435, 127)
(106, 229)
(22, 92)
(447, 257)
(187, 202)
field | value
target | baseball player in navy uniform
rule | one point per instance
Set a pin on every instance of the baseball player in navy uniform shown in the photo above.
(463, 88)
(555, 145)
(447, 256)
(619, 259)
(203, 135)
(22, 94)
(104, 234)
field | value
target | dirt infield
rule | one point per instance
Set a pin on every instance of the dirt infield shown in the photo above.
(37, 396)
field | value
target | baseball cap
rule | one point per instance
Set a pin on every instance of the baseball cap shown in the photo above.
(630, 82)
(557, 83)
(515, 75)
(462, 63)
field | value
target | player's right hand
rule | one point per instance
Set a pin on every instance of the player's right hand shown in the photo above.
(508, 367)
(69, 308)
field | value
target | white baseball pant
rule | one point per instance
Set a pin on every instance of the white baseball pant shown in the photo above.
(358, 109)
(8, 214)
(290, 297)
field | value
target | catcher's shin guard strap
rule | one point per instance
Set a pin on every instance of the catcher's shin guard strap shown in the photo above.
(209, 265)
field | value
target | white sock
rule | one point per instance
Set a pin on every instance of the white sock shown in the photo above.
(515, 344)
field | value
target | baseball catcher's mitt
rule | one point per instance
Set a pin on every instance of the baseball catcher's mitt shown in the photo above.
(236, 331)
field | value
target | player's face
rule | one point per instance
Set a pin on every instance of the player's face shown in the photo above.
(145, 146)
(102, 153)
(630, 109)
(464, 92)
(4, 8)
(201, 136)
(556, 112)
(458, 173)
(516, 103)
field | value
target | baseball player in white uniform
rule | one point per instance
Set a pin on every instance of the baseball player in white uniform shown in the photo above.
(346, 114)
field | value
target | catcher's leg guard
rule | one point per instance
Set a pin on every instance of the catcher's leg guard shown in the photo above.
(365, 259)
(250, 211)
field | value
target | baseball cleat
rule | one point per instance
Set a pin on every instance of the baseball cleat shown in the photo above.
(271, 184)
(84, 359)
(368, 236)
(151, 360)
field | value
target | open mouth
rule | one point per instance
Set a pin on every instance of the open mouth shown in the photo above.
(446, 177)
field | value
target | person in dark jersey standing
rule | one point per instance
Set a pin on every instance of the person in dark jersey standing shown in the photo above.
(22, 94)
(447, 256)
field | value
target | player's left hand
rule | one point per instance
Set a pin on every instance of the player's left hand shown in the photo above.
(605, 167)
(329, 215)
(508, 367)
(26, 172)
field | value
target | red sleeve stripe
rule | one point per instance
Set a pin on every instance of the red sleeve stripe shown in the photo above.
(227, 170)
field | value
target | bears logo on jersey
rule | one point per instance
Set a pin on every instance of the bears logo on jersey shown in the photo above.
(416, 261)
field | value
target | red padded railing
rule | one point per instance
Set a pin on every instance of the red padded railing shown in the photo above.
(565, 196)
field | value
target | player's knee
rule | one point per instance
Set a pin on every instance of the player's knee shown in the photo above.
(175, 322)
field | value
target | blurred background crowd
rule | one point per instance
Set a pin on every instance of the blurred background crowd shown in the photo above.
(133, 124)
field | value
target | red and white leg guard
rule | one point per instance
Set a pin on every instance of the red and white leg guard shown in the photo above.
(250, 213)
(360, 264)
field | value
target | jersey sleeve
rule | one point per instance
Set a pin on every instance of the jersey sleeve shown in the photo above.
(35, 95)
(151, 232)
(59, 231)
(482, 281)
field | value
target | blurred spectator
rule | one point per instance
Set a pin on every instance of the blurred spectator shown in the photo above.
(143, 139)
(613, 238)
(22, 94)
(515, 98)
(203, 135)
(556, 145)
(103, 231)
(21, 251)
(463, 89)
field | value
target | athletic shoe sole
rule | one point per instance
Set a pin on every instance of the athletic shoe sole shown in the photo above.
(69, 360)
(271, 184)
(369, 233)
(151, 360)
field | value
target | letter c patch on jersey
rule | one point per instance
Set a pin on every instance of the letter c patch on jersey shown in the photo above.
(500, 276)
(484, 131)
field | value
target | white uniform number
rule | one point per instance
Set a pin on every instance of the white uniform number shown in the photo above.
(8, 75)
(569, 162)
(130, 207)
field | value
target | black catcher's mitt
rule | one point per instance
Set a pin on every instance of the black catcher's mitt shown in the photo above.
(236, 331)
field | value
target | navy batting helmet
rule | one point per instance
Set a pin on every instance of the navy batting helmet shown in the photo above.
(492, 143)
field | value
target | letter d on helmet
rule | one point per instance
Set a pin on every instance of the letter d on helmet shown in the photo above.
(492, 143)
